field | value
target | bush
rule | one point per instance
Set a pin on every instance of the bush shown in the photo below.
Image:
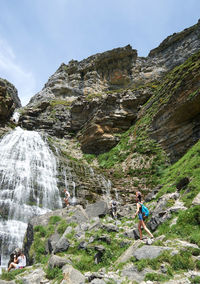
(41, 230)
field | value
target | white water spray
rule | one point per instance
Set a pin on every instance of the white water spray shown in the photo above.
(28, 185)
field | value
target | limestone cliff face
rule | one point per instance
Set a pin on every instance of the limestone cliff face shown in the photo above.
(9, 100)
(101, 96)
(176, 124)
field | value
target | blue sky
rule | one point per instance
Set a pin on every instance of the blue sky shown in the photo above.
(36, 36)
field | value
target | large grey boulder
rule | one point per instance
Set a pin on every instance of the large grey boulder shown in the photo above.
(72, 276)
(52, 241)
(97, 209)
(62, 245)
(149, 251)
(58, 261)
(36, 276)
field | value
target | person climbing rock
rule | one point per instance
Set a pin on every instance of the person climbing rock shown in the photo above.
(141, 215)
(67, 196)
(19, 261)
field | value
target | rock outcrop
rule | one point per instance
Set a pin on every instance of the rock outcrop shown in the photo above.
(9, 100)
(99, 97)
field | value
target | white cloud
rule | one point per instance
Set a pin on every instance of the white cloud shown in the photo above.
(14, 72)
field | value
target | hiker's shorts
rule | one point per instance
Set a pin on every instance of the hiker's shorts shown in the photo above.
(140, 216)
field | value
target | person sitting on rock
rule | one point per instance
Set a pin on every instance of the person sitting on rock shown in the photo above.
(67, 196)
(19, 262)
(140, 215)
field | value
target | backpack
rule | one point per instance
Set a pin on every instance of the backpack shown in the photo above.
(145, 210)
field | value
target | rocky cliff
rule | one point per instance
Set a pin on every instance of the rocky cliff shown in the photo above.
(137, 116)
(98, 98)
(9, 100)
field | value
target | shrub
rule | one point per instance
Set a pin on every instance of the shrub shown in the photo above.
(41, 230)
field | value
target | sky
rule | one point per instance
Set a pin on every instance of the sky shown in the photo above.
(36, 36)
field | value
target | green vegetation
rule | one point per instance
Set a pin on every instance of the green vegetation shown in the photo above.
(176, 263)
(8, 276)
(54, 273)
(187, 166)
(54, 103)
(89, 158)
(90, 97)
(195, 280)
(62, 227)
(187, 226)
(137, 141)
(54, 219)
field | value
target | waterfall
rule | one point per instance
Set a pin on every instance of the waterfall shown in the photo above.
(28, 185)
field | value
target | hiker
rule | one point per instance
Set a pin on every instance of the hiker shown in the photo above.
(141, 216)
(19, 261)
(67, 196)
(113, 207)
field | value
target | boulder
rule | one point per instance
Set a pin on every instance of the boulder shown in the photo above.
(97, 209)
(72, 276)
(58, 261)
(62, 245)
(149, 252)
(130, 271)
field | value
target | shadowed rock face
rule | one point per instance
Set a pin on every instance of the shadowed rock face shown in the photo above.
(99, 97)
(8, 100)
(177, 123)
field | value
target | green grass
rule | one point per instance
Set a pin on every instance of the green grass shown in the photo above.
(11, 274)
(187, 226)
(187, 166)
(66, 103)
(54, 219)
(54, 273)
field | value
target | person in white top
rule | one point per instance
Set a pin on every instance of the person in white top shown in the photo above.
(67, 196)
(19, 262)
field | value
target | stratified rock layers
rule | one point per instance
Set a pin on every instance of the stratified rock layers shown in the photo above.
(101, 96)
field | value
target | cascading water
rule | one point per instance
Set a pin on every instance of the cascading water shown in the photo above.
(28, 186)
